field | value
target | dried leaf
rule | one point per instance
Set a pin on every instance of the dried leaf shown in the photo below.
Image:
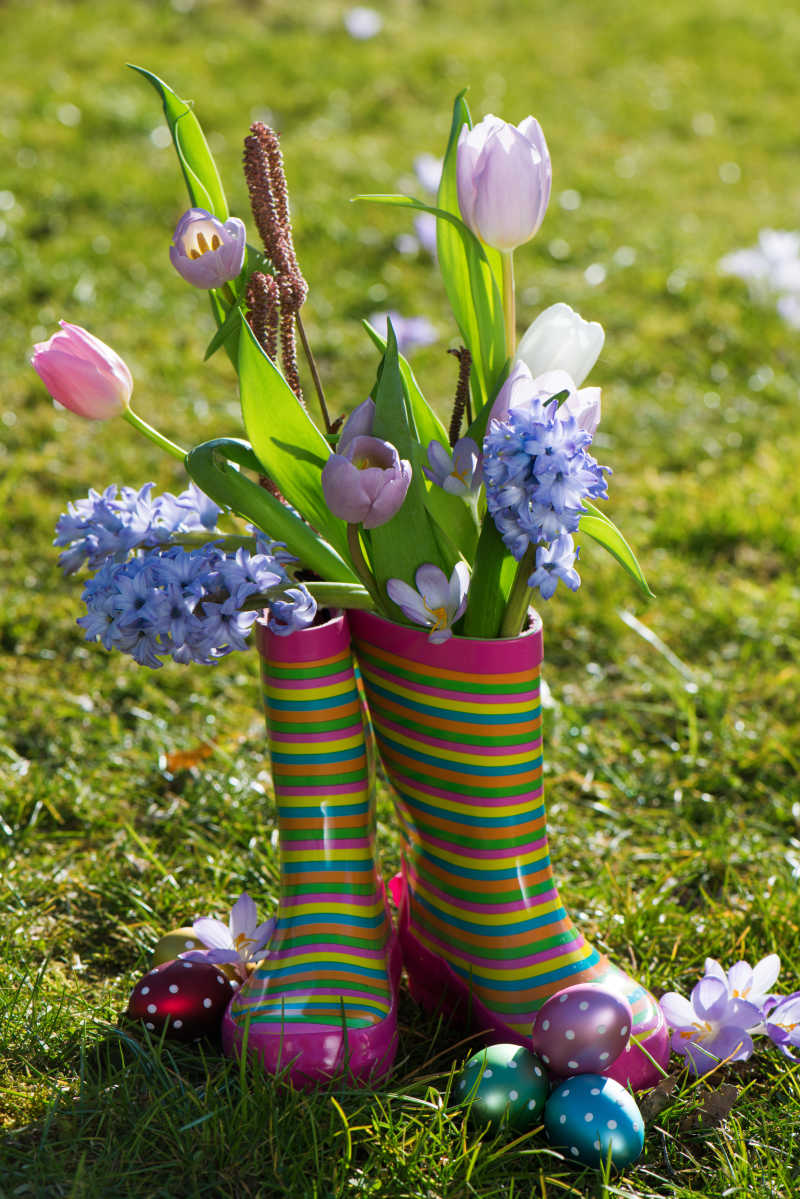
(660, 1097)
(186, 759)
(715, 1108)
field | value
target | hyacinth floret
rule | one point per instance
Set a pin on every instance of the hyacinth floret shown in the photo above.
(108, 525)
(187, 604)
(538, 473)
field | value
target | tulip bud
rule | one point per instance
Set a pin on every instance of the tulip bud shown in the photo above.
(503, 177)
(522, 392)
(83, 373)
(560, 339)
(205, 252)
(359, 423)
(366, 483)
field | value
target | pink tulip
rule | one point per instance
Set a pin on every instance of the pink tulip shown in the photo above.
(367, 483)
(83, 373)
(503, 178)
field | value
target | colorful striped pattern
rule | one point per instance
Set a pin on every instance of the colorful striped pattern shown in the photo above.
(327, 961)
(458, 727)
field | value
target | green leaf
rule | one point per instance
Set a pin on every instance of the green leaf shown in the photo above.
(492, 577)
(605, 533)
(197, 163)
(229, 329)
(409, 539)
(429, 427)
(284, 438)
(472, 290)
(209, 465)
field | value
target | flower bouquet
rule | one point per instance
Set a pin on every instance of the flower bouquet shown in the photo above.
(416, 547)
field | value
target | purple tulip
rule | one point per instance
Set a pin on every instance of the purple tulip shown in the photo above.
(83, 373)
(205, 252)
(359, 423)
(503, 176)
(367, 482)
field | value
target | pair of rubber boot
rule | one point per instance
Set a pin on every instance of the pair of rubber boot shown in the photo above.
(481, 930)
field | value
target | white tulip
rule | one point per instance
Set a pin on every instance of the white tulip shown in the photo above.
(560, 339)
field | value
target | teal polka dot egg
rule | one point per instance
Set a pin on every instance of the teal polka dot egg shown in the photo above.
(589, 1116)
(503, 1085)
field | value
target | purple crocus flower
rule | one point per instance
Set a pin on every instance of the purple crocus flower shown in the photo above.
(753, 983)
(438, 601)
(503, 176)
(711, 1027)
(459, 472)
(782, 1023)
(204, 251)
(367, 482)
(410, 331)
(241, 941)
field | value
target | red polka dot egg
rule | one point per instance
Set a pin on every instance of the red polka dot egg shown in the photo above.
(582, 1029)
(192, 996)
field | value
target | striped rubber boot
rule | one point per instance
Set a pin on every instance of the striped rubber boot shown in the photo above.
(322, 1002)
(458, 727)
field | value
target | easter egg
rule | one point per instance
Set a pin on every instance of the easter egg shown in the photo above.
(174, 943)
(590, 1117)
(503, 1084)
(582, 1030)
(193, 996)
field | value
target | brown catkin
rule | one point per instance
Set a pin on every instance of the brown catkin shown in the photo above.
(263, 315)
(461, 401)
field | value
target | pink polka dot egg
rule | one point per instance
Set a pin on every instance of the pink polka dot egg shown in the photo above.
(192, 996)
(582, 1029)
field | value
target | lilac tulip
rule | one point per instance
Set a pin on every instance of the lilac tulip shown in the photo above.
(83, 373)
(459, 472)
(367, 482)
(560, 339)
(711, 1027)
(204, 251)
(359, 423)
(503, 177)
(438, 601)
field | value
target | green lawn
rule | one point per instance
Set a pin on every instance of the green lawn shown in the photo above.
(672, 776)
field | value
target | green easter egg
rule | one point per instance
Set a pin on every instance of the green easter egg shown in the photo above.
(503, 1085)
(171, 944)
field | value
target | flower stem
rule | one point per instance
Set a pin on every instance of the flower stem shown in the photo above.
(360, 564)
(162, 442)
(312, 366)
(327, 595)
(520, 596)
(509, 303)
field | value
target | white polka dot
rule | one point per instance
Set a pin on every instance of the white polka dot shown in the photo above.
(572, 1149)
(570, 1034)
(173, 990)
(189, 944)
(187, 965)
(583, 1006)
(145, 991)
(177, 1024)
(220, 980)
(151, 1007)
(545, 1059)
(563, 998)
(545, 1025)
(604, 1057)
(462, 1084)
(537, 1071)
(595, 1091)
(207, 1002)
(531, 1104)
(596, 1144)
(636, 1126)
(627, 1048)
(564, 1093)
(589, 1117)
(573, 1065)
(601, 1028)
(623, 1032)
(562, 1119)
(513, 1095)
(147, 1024)
(612, 1124)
